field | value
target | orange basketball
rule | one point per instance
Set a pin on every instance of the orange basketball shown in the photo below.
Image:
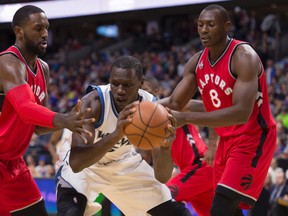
(148, 128)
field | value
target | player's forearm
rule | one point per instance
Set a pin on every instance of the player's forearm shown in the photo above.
(219, 118)
(171, 104)
(83, 156)
(23, 101)
(163, 165)
(39, 130)
(194, 106)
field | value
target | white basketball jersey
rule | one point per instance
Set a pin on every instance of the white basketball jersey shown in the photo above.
(63, 147)
(108, 122)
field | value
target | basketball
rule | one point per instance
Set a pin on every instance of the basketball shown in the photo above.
(148, 128)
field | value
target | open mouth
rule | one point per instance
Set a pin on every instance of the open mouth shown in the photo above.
(43, 44)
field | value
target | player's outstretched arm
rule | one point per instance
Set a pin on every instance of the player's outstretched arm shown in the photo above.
(185, 89)
(19, 94)
(74, 120)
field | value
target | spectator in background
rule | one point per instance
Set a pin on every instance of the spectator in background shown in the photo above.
(279, 194)
(42, 167)
(283, 117)
(31, 164)
(269, 71)
(261, 207)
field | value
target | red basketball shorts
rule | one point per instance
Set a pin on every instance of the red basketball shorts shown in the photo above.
(18, 189)
(241, 165)
(194, 185)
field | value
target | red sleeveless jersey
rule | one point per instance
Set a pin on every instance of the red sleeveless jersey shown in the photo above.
(216, 82)
(15, 134)
(182, 151)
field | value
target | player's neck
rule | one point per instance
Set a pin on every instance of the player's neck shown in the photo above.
(216, 51)
(28, 56)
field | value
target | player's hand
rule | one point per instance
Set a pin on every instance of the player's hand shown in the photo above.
(125, 117)
(74, 121)
(171, 130)
(179, 120)
(209, 155)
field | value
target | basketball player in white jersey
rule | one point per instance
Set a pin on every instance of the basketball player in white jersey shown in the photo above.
(109, 163)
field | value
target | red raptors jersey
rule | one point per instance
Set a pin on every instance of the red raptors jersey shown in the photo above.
(216, 82)
(15, 134)
(182, 151)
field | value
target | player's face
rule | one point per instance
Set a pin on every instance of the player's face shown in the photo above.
(35, 34)
(212, 28)
(124, 86)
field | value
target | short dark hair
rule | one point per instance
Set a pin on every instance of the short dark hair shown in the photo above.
(223, 12)
(23, 13)
(129, 62)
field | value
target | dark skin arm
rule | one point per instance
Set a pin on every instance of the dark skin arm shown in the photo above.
(178, 100)
(84, 155)
(246, 65)
(13, 74)
(163, 164)
(198, 106)
(162, 161)
(51, 145)
(212, 146)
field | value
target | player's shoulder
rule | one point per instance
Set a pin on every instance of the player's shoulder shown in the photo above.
(11, 63)
(8, 58)
(92, 101)
(244, 54)
(245, 49)
(43, 64)
(192, 62)
(91, 96)
(145, 95)
(195, 57)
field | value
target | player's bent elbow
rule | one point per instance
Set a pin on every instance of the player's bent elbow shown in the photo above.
(243, 119)
(162, 178)
(75, 165)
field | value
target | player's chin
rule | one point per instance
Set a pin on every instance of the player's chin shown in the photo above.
(121, 104)
(205, 43)
(41, 51)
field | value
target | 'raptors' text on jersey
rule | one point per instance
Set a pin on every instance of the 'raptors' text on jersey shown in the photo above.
(216, 82)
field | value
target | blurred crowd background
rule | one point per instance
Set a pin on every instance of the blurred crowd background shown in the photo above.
(81, 50)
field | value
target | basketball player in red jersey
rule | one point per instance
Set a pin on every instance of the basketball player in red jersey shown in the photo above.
(194, 183)
(23, 86)
(230, 78)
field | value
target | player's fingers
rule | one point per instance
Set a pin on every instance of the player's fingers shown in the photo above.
(171, 129)
(86, 121)
(78, 105)
(209, 160)
(128, 112)
(168, 141)
(172, 117)
(131, 105)
(82, 137)
(82, 131)
(76, 108)
(82, 114)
